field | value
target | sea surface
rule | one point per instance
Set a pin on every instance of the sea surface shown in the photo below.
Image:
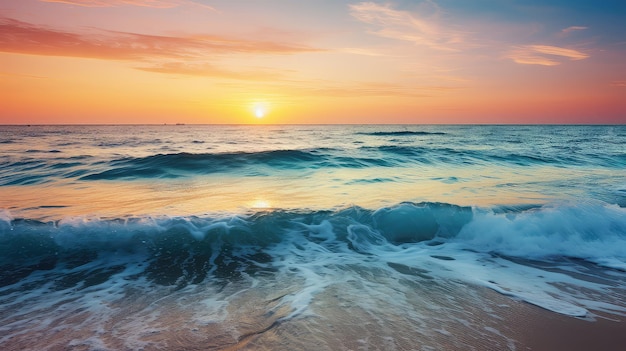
(342, 237)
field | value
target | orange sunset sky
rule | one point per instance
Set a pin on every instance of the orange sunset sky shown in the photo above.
(322, 61)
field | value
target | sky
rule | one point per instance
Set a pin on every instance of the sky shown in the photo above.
(322, 61)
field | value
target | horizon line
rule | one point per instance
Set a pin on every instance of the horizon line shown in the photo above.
(309, 124)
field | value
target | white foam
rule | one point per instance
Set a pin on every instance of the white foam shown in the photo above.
(307, 261)
(611, 262)
(324, 230)
(583, 231)
(540, 287)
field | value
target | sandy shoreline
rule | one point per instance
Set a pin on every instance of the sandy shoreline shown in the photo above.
(542, 330)
(348, 307)
(493, 322)
(537, 329)
(484, 320)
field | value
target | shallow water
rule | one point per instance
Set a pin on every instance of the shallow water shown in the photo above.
(305, 237)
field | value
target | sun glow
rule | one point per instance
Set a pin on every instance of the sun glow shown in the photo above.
(261, 204)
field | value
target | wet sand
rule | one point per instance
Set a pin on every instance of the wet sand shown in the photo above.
(517, 326)
(426, 315)
(486, 320)
(537, 329)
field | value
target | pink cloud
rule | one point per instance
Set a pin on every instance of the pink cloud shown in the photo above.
(204, 69)
(407, 26)
(544, 55)
(187, 55)
(25, 38)
(117, 3)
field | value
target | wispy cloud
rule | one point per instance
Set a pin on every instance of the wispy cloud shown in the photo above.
(572, 29)
(378, 89)
(25, 38)
(362, 52)
(375, 88)
(558, 51)
(164, 4)
(407, 26)
(21, 76)
(297, 89)
(204, 69)
(619, 83)
(545, 55)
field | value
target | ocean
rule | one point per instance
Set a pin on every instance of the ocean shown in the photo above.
(307, 237)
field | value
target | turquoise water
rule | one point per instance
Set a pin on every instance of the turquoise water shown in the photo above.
(157, 237)
(191, 170)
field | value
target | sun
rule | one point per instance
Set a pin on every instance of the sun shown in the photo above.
(261, 204)
(260, 109)
(259, 112)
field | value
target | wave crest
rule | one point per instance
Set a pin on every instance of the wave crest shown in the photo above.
(592, 232)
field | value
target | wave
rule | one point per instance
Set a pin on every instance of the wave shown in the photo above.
(402, 133)
(30, 171)
(253, 163)
(179, 164)
(455, 156)
(39, 166)
(527, 252)
(265, 162)
(591, 232)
